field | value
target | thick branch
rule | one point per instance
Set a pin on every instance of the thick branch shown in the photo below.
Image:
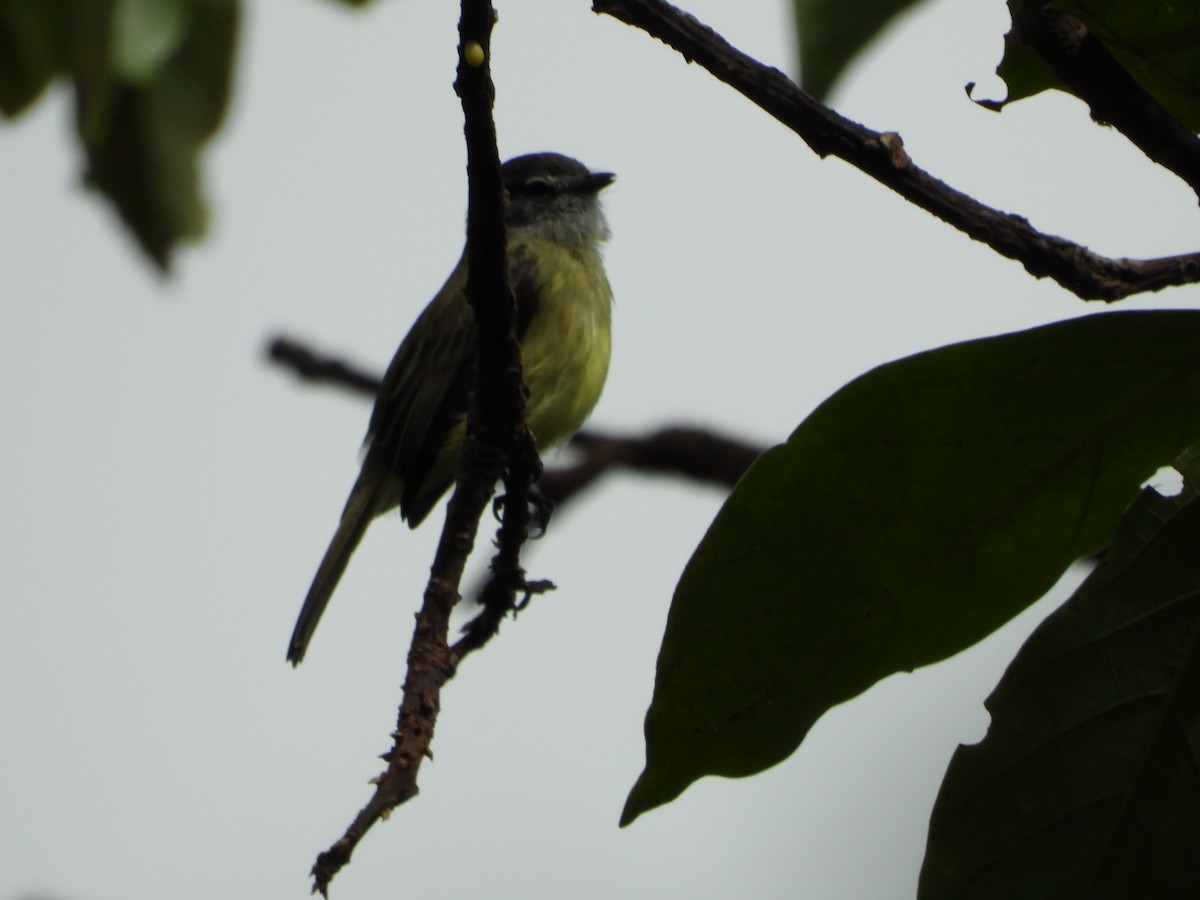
(882, 156)
(1089, 70)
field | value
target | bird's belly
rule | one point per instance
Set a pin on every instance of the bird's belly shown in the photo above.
(565, 351)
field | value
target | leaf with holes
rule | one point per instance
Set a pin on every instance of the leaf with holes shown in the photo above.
(1088, 782)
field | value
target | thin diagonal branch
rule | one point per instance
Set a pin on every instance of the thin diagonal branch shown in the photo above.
(882, 156)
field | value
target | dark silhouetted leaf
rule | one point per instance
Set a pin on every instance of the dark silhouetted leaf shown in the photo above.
(830, 33)
(915, 511)
(1088, 782)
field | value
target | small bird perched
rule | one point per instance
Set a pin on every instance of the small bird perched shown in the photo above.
(555, 228)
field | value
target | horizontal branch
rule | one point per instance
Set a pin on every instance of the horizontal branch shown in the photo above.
(882, 156)
(693, 453)
(310, 365)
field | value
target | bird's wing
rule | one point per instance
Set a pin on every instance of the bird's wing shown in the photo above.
(424, 394)
(427, 389)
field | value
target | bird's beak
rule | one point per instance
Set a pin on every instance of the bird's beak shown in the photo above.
(596, 182)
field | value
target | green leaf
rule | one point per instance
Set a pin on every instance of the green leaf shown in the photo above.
(830, 33)
(145, 34)
(149, 98)
(1088, 782)
(914, 512)
(31, 51)
(1156, 41)
(152, 81)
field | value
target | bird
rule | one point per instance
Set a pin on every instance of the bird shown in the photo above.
(555, 227)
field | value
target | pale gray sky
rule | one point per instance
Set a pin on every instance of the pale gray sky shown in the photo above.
(166, 496)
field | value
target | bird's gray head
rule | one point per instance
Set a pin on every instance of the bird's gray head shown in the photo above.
(554, 197)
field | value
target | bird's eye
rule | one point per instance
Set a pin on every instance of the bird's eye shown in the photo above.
(539, 187)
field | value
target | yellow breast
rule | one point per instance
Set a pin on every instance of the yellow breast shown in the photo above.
(566, 348)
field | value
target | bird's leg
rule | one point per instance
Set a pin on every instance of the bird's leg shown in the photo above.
(541, 508)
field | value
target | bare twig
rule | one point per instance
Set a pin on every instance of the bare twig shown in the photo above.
(494, 435)
(882, 156)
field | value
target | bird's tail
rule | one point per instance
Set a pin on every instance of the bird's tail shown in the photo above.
(362, 506)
